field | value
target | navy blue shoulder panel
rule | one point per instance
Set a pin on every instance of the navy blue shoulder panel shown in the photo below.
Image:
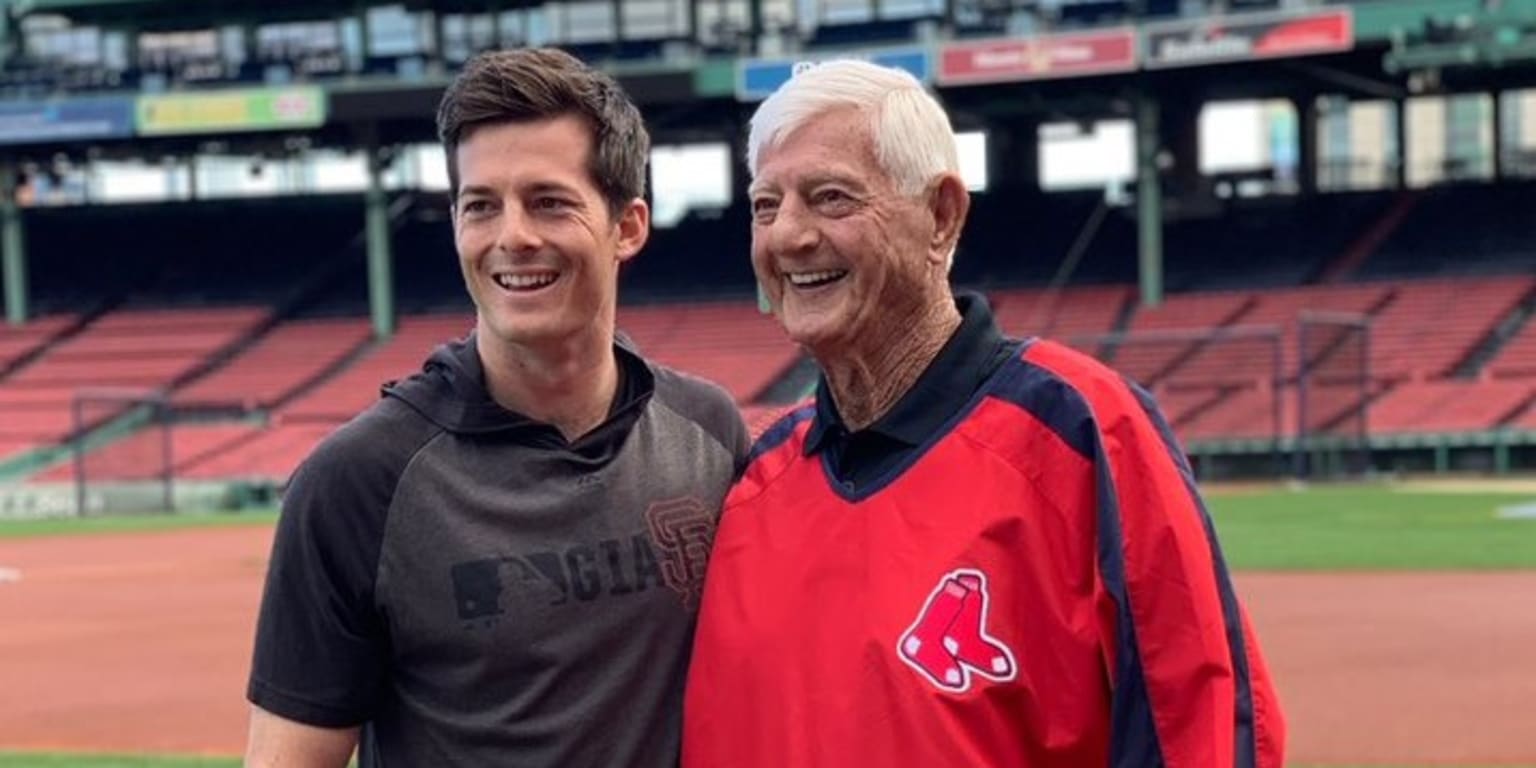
(1059, 405)
(781, 430)
(1244, 735)
(1054, 402)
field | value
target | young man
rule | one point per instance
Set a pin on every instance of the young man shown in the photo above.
(970, 550)
(499, 563)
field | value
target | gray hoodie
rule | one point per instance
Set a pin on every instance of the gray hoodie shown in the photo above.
(473, 589)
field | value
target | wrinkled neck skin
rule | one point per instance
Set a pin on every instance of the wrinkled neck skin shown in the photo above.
(569, 384)
(871, 375)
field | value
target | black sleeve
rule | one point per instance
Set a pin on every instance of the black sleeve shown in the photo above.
(322, 650)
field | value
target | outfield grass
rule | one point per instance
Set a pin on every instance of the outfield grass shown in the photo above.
(1372, 528)
(1323, 528)
(125, 523)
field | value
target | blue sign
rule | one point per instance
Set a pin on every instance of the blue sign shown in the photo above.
(47, 122)
(757, 78)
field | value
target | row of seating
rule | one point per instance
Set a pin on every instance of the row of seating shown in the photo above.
(1397, 379)
(122, 353)
(310, 375)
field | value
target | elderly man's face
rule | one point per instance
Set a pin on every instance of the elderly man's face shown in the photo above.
(835, 244)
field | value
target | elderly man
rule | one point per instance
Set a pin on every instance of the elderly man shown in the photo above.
(970, 550)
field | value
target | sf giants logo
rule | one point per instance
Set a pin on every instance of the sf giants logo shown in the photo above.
(683, 531)
(949, 642)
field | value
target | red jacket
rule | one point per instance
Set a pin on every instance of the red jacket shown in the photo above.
(1040, 587)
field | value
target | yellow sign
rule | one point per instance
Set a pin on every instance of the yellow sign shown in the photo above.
(254, 109)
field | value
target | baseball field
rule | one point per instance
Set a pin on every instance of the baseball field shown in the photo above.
(1399, 621)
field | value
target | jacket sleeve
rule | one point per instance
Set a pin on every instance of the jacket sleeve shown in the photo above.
(1190, 686)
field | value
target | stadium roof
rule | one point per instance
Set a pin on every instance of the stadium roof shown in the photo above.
(185, 12)
(177, 13)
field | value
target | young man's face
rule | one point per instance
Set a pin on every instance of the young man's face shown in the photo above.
(835, 244)
(539, 250)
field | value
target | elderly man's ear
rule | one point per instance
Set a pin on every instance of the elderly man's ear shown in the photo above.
(948, 203)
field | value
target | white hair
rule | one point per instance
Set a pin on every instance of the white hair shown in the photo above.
(913, 139)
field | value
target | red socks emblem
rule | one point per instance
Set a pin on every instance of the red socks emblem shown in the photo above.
(949, 640)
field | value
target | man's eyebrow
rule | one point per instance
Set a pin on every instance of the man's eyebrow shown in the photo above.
(813, 180)
(537, 188)
(831, 177)
(542, 187)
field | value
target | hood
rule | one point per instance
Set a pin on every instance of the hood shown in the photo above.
(450, 390)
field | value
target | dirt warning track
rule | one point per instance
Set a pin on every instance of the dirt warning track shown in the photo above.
(130, 642)
(141, 643)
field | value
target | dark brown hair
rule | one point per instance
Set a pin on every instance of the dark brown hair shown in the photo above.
(531, 84)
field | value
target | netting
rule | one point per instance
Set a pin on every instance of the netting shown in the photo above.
(122, 452)
(1213, 385)
(1333, 386)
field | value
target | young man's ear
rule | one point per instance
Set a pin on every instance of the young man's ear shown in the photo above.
(948, 203)
(634, 229)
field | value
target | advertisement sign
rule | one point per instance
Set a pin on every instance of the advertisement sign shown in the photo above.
(65, 120)
(253, 109)
(757, 78)
(1038, 58)
(1248, 36)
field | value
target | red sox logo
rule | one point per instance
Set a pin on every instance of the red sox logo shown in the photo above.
(949, 642)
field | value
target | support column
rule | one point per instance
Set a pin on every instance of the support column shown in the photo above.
(6, 36)
(1149, 202)
(1178, 132)
(1013, 153)
(364, 37)
(1400, 129)
(755, 24)
(1497, 146)
(14, 245)
(381, 265)
(1501, 459)
(1306, 144)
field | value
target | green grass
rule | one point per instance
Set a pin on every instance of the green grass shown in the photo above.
(1372, 528)
(42, 760)
(127, 523)
(1320, 528)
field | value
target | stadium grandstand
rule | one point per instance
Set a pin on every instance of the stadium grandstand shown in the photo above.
(1305, 226)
